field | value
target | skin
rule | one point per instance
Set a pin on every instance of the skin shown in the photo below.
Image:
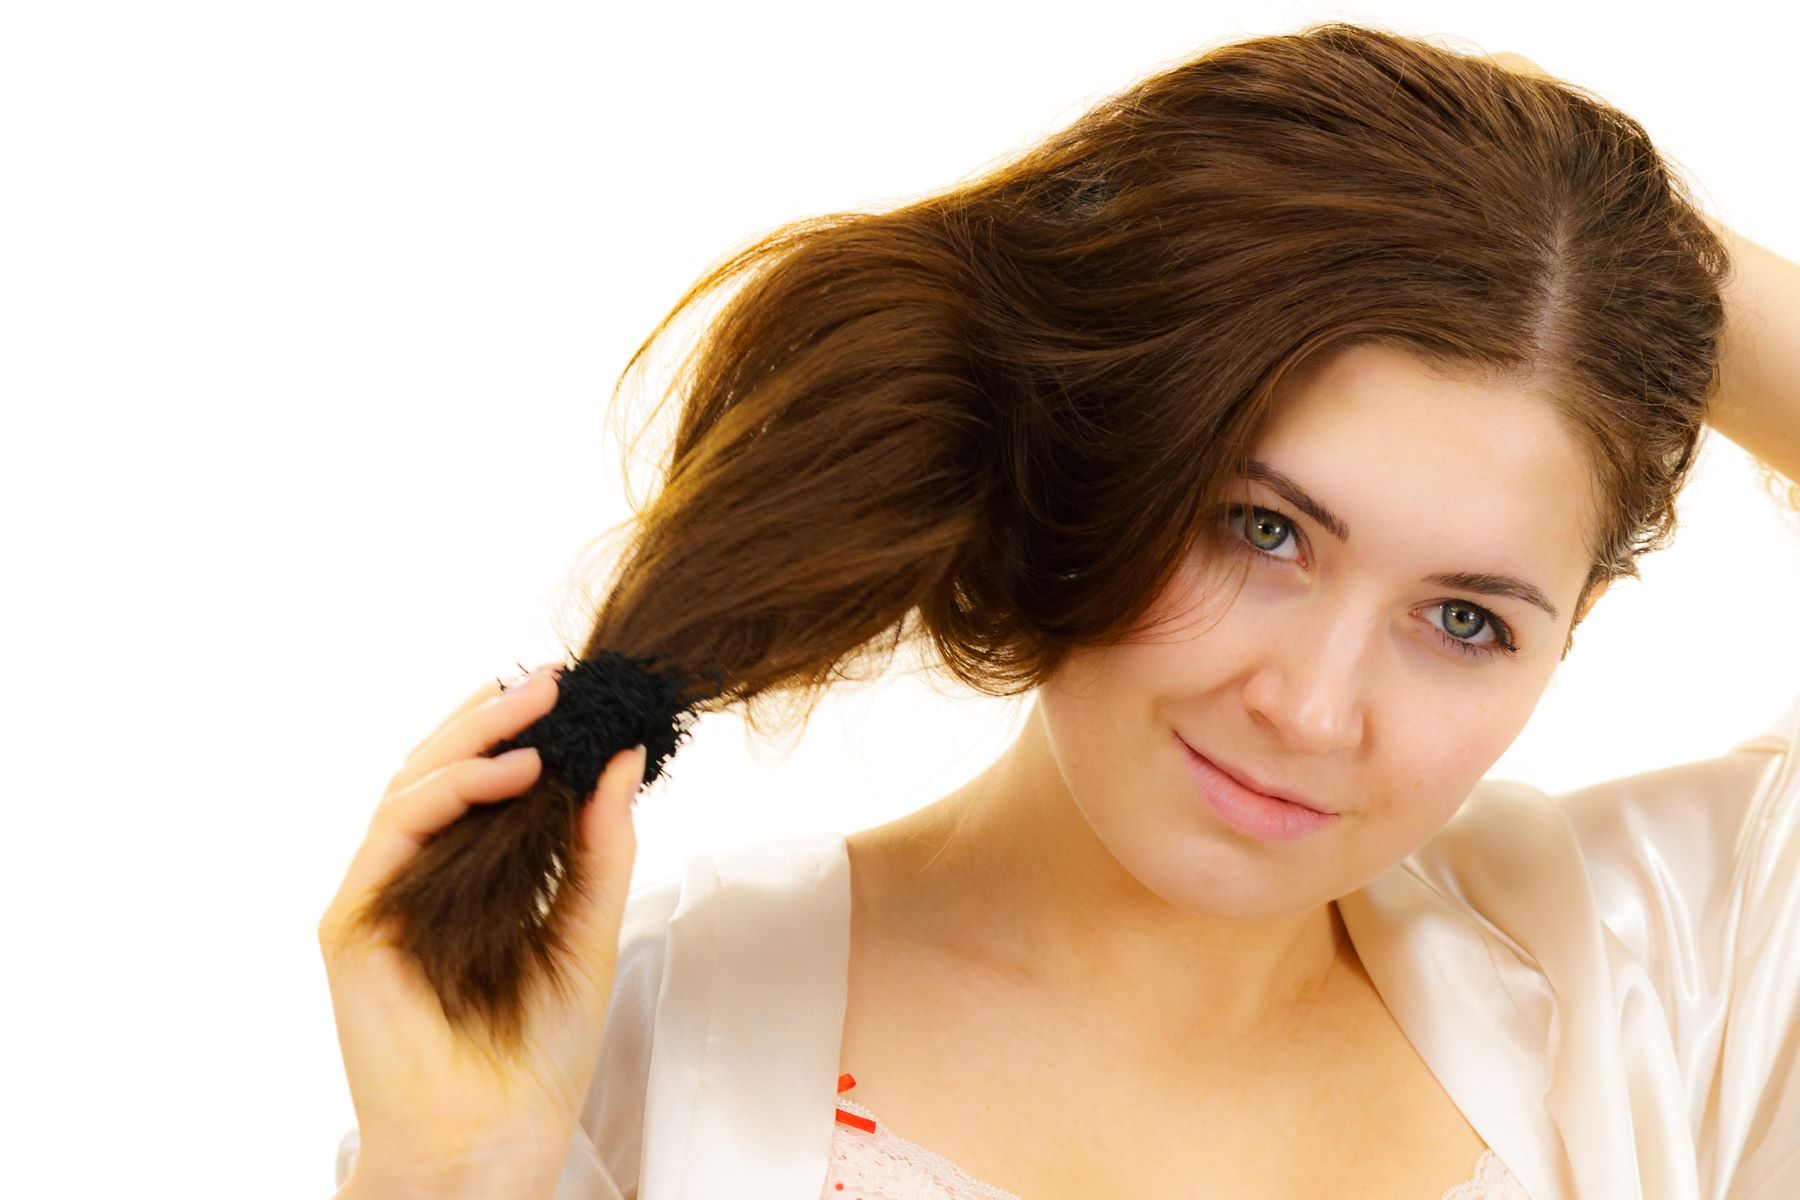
(1084, 862)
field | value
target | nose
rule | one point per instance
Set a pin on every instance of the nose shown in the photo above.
(1309, 689)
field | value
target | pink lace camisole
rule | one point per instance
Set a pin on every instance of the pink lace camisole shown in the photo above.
(869, 1162)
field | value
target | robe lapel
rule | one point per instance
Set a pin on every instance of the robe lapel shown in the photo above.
(1488, 947)
(749, 1021)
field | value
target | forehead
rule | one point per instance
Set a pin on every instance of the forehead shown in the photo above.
(1441, 463)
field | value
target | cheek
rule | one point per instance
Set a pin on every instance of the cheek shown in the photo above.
(1463, 732)
(1086, 713)
(1106, 739)
(1434, 771)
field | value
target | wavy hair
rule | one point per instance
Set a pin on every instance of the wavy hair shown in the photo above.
(991, 422)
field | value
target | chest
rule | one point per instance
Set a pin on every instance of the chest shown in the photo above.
(1049, 1103)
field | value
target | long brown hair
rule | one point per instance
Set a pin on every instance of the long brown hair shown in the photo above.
(992, 423)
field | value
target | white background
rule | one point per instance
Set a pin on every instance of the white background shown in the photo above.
(308, 317)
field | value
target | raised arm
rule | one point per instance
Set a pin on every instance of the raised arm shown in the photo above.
(1758, 405)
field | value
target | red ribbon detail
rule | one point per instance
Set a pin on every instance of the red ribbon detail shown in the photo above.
(845, 1117)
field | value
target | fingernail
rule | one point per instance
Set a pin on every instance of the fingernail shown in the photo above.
(529, 678)
(638, 781)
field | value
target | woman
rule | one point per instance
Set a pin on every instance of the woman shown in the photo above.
(1273, 426)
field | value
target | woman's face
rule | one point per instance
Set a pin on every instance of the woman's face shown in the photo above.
(1340, 672)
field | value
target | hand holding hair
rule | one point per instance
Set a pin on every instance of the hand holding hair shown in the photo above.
(472, 944)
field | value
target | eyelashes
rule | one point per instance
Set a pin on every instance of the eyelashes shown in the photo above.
(1503, 643)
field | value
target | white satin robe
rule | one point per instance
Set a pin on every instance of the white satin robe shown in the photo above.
(1606, 982)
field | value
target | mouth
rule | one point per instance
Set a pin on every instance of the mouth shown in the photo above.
(1250, 784)
(1243, 808)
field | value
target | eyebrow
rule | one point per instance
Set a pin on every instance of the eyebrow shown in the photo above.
(1487, 583)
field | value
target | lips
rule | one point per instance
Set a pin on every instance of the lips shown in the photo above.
(1250, 783)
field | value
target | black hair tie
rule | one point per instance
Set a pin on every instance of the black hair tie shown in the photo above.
(611, 702)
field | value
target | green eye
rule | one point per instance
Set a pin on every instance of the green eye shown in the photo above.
(1268, 529)
(1265, 531)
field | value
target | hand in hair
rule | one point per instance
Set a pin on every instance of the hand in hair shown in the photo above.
(1518, 64)
(441, 1110)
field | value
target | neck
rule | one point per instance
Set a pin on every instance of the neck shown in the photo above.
(1011, 871)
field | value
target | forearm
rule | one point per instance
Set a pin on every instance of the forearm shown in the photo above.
(1758, 402)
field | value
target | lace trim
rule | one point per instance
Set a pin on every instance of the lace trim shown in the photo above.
(1493, 1180)
(886, 1166)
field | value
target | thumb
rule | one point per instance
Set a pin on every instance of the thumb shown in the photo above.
(609, 836)
(608, 851)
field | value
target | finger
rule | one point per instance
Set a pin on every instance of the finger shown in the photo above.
(475, 699)
(1519, 64)
(406, 818)
(609, 834)
(609, 850)
(479, 726)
